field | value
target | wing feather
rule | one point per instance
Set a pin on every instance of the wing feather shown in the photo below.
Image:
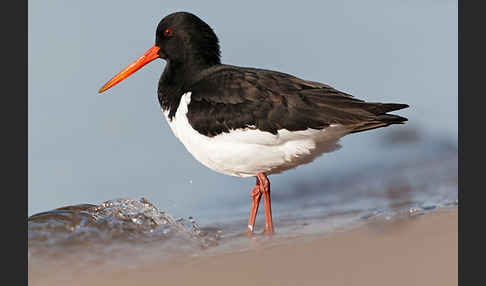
(268, 100)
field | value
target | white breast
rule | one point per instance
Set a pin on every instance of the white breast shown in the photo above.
(247, 152)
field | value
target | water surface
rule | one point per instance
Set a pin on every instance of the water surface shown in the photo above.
(131, 231)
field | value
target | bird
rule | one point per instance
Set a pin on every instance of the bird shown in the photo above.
(243, 121)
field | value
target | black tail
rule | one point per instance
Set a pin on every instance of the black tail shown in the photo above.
(382, 119)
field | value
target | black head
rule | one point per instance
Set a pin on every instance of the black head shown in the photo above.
(184, 37)
(187, 44)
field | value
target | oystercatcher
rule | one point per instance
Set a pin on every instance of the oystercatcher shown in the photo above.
(248, 122)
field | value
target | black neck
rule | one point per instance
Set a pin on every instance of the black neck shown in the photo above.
(176, 79)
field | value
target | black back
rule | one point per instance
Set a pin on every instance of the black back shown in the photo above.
(227, 97)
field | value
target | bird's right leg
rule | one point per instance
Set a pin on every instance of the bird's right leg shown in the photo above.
(256, 195)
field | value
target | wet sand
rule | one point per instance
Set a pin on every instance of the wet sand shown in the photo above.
(418, 250)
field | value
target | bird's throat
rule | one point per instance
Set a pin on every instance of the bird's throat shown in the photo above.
(175, 81)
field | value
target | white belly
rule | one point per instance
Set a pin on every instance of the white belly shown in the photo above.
(247, 152)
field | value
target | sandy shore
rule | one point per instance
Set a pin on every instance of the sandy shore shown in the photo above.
(421, 250)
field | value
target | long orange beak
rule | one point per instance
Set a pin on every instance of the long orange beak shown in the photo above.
(150, 55)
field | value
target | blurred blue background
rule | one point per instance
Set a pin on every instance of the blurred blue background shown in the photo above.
(85, 148)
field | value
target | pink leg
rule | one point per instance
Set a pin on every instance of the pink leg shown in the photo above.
(264, 185)
(256, 196)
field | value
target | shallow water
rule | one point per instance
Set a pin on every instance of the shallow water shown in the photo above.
(132, 231)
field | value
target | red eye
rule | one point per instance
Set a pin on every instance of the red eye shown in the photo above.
(168, 32)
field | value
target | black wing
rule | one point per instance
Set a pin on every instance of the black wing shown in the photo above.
(227, 98)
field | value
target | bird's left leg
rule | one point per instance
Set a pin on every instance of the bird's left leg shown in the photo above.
(256, 195)
(264, 185)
